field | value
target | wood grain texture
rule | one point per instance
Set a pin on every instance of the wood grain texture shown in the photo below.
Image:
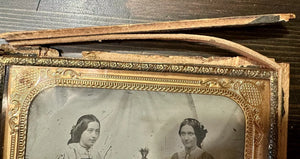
(81, 34)
(279, 41)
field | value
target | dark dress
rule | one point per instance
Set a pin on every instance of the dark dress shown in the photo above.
(197, 153)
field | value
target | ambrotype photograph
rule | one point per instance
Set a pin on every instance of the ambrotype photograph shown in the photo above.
(77, 123)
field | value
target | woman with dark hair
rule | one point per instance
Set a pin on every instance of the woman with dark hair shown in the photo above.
(192, 133)
(83, 136)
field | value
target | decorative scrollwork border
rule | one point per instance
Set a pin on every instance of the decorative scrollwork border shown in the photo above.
(71, 78)
(154, 67)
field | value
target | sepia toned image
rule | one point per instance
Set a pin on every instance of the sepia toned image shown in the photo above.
(70, 113)
(111, 124)
(143, 79)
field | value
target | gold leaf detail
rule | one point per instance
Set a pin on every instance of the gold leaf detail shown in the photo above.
(251, 93)
(64, 73)
(26, 79)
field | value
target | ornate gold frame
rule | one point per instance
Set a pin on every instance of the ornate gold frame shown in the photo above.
(249, 87)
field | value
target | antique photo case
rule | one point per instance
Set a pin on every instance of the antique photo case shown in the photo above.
(136, 110)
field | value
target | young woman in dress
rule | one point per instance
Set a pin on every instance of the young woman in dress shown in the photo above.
(192, 133)
(83, 136)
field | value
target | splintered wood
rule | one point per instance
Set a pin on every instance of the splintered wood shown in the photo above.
(90, 33)
(225, 61)
(28, 50)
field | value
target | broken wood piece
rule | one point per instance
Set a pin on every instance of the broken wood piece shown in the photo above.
(225, 61)
(148, 27)
(28, 50)
(209, 40)
(284, 111)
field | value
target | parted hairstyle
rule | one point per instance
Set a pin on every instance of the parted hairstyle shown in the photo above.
(81, 126)
(199, 130)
